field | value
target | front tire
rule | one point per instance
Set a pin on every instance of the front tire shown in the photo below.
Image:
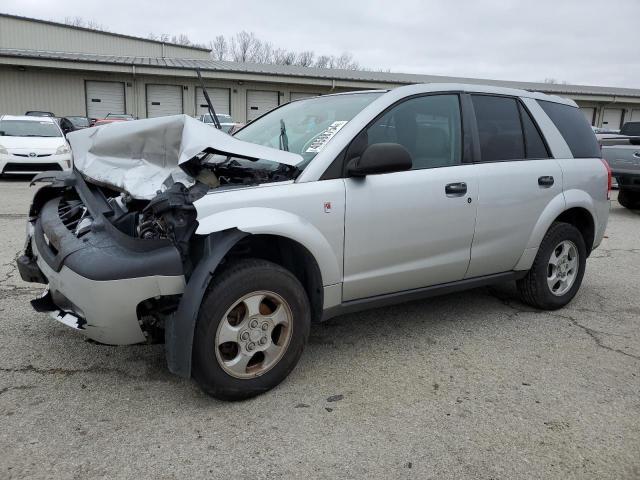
(252, 326)
(558, 269)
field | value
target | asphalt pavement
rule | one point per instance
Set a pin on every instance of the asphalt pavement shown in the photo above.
(469, 385)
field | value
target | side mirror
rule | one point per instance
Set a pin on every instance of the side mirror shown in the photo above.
(380, 158)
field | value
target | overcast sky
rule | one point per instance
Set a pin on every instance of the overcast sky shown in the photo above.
(577, 41)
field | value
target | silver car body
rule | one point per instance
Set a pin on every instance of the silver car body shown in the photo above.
(388, 234)
(369, 254)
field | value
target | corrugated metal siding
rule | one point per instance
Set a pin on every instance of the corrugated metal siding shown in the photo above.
(60, 93)
(32, 35)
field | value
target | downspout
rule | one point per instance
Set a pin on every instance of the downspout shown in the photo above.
(135, 90)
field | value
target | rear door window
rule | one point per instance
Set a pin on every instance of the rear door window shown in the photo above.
(575, 129)
(499, 128)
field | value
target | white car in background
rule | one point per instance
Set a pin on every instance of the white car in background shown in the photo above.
(226, 122)
(31, 144)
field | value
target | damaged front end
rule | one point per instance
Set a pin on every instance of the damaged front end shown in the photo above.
(114, 239)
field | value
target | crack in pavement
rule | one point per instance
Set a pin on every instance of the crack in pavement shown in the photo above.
(72, 371)
(16, 387)
(13, 268)
(593, 334)
(606, 253)
(517, 310)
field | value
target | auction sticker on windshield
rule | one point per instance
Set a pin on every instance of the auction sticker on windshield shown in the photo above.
(323, 138)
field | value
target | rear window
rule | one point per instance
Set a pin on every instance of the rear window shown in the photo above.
(575, 129)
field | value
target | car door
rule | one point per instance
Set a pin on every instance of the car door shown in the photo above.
(411, 229)
(516, 181)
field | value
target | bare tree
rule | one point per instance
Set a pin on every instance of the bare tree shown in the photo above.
(284, 57)
(74, 21)
(266, 53)
(93, 25)
(81, 22)
(246, 47)
(219, 48)
(345, 62)
(554, 81)
(181, 39)
(241, 46)
(323, 61)
(305, 59)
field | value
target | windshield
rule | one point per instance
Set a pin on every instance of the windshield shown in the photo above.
(224, 118)
(306, 126)
(79, 121)
(26, 128)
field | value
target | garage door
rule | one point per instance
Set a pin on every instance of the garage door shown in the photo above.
(635, 115)
(588, 113)
(611, 118)
(301, 95)
(104, 98)
(260, 102)
(164, 100)
(219, 98)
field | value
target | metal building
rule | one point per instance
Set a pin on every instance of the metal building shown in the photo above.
(77, 71)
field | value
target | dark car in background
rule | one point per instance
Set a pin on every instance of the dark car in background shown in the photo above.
(631, 129)
(79, 122)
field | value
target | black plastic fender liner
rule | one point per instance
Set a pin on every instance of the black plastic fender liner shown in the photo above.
(180, 327)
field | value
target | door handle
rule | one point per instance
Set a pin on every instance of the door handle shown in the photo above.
(545, 181)
(455, 189)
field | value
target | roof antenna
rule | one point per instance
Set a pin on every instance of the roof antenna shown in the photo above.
(212, 112)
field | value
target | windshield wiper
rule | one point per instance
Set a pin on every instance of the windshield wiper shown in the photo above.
(284, 140)
(212, 112)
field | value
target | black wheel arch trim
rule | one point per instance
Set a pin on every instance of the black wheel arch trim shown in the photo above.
(181, 325)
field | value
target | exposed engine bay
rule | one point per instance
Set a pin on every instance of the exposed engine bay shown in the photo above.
(170, 215)
(150, 172)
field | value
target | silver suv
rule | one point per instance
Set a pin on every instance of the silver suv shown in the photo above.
(228, 248)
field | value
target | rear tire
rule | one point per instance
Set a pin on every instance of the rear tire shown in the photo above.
(233, 359)
(629, 199)
(558, 269)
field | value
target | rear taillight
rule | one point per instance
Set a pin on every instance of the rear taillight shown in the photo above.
(609, 179)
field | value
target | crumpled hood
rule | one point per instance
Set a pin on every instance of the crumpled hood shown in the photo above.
(142, 157)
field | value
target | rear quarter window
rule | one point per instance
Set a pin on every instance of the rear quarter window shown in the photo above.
(575, 129)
